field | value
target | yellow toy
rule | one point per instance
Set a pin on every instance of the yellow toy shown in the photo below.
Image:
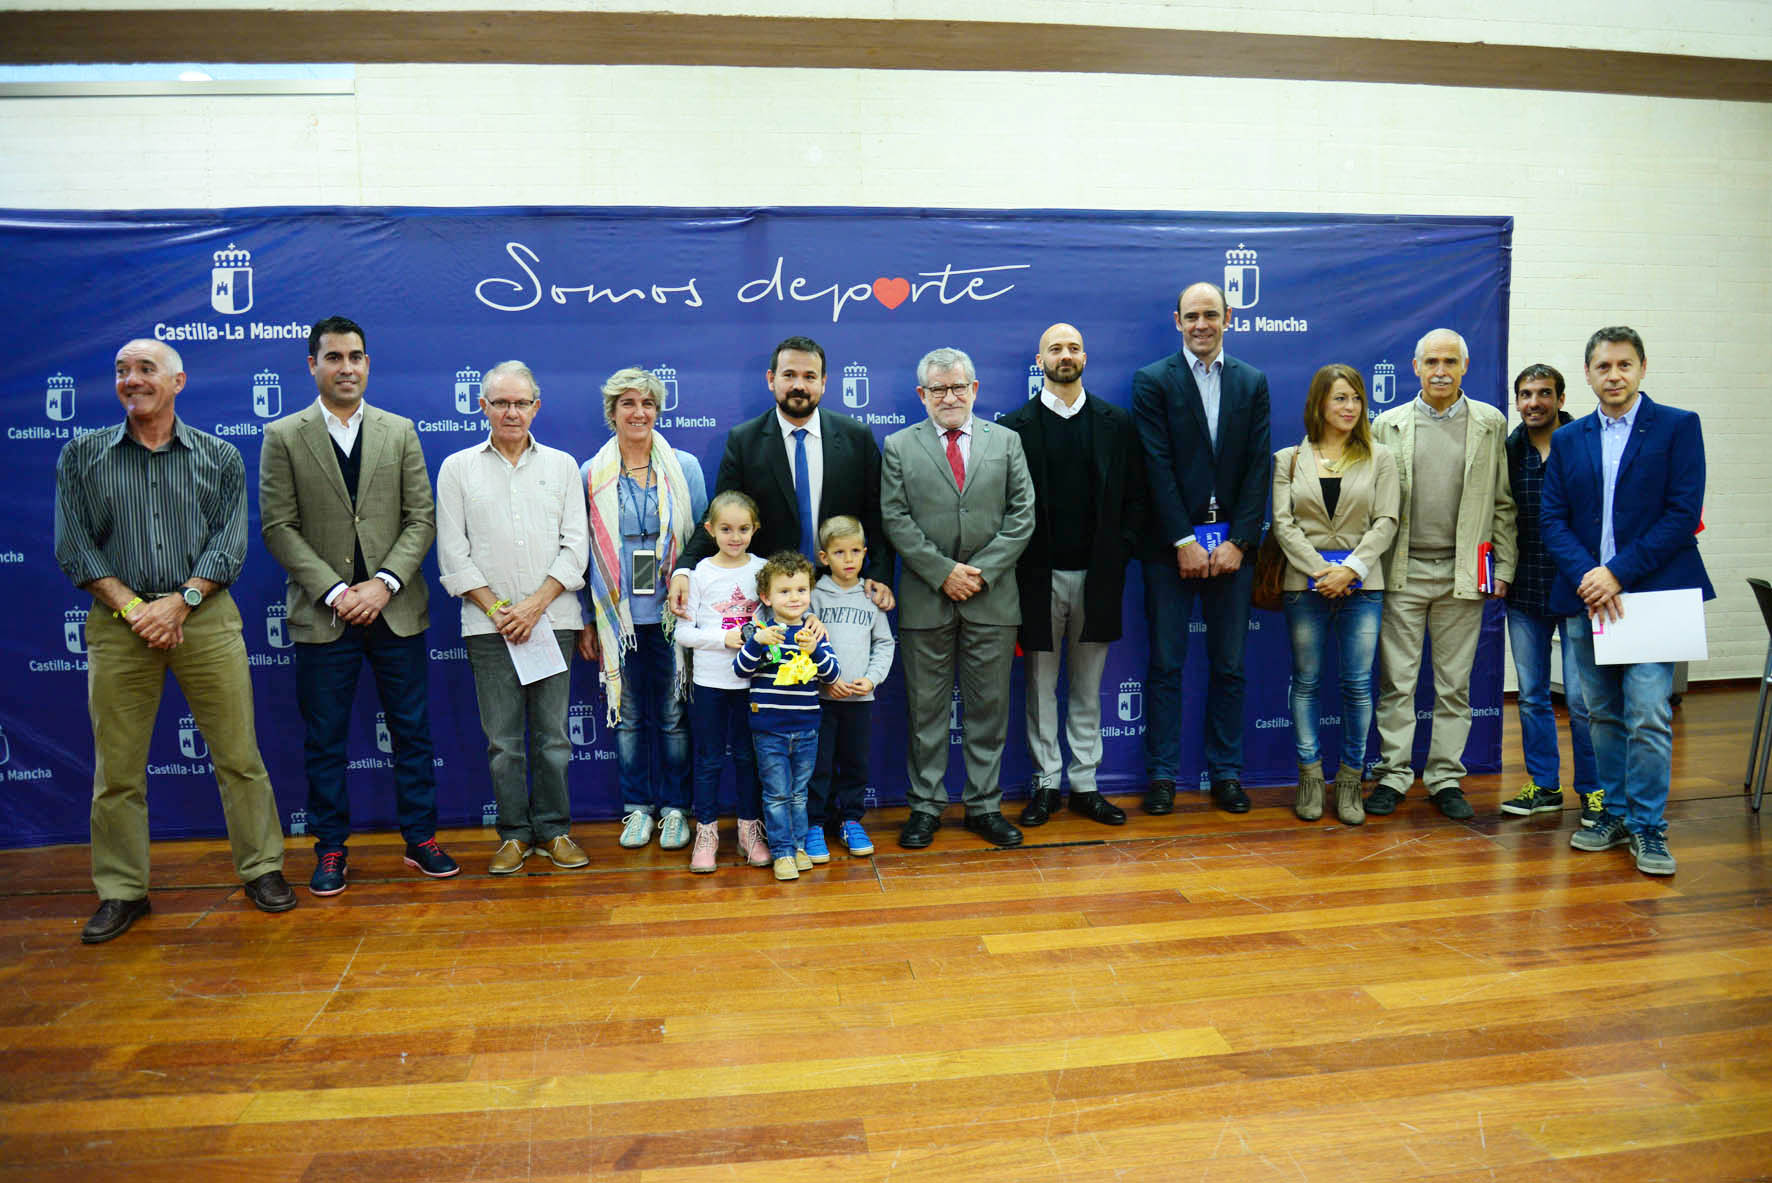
(796, 670)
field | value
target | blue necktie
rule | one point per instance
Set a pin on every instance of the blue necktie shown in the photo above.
(803, 495)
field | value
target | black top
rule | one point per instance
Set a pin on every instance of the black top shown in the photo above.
(1069, 442)
(1331, 493)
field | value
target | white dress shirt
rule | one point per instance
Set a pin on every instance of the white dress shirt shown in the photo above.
(814, 452)
(507, 527)
(1057, 406)
(343, 431)
(964, 442)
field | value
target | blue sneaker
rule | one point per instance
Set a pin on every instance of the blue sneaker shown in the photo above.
(815, 848)
(856, 840)
(1608, 831)
(428, 857)
(329, 876)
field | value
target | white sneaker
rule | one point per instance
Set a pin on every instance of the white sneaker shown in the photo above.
(673, 830)
(636, 829)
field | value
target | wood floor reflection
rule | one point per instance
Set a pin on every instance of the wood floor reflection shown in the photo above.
(1197, 997)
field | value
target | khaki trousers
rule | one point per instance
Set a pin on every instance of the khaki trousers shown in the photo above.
(1425, 608)
(124, 679)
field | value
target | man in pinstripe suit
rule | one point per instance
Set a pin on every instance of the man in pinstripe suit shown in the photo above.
(150, 518)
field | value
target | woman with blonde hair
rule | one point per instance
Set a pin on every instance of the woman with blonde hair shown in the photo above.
(644, 498)
(1335, 514)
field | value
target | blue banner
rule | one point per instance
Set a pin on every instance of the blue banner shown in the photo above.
(699, 296)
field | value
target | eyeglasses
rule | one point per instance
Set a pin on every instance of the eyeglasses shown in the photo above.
(941, 393)
(501, 405)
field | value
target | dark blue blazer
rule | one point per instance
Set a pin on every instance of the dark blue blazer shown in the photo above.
(1658, 497)
(1184, 471)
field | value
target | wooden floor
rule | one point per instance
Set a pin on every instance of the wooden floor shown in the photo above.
(1198, 997)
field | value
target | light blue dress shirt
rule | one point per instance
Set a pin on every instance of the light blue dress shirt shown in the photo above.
(1614, 434)
(1207, 376)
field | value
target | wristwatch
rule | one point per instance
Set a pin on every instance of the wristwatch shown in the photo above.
(193, 597)
(747, 630)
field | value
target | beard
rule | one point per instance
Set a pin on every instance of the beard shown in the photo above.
(1064, 372)
(797, 404)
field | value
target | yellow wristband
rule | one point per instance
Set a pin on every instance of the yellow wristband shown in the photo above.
(1190, 540)
(123, 612)
(493, 611)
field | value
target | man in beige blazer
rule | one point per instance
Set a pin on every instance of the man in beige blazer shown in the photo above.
(1451, 454)
(345, 505)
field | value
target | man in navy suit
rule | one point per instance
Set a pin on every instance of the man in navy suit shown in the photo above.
(1202, 416)
(1622, 498)
(801, 464)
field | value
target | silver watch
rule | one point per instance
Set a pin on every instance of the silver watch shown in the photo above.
(193, 597)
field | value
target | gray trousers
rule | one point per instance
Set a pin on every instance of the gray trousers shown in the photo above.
(1425, 608)
(1082, 708)
(982, 656)
(528, 778)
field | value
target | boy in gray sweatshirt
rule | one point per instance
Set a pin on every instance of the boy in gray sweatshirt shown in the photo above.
(862, 638)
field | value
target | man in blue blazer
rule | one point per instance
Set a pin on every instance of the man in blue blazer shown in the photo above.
(1202, 416)
(1622, 498)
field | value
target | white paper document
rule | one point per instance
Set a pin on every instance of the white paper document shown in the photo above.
(539, 657)
(1656, 626)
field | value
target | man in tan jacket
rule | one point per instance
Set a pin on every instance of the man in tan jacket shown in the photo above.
(1451, 457)
(345, 505)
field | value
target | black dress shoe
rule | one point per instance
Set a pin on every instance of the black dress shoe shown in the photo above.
(1097, 808)
(1159, 798)
(1039, 807)
(271, 892)
(994, 828)
(1229, 796)
(112, 919)
(919, 830)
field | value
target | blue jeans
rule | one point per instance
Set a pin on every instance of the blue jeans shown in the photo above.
(1224, 604)
(720, 721)
(1632, 723)
(652, 740)
(784, 765)
(1355, 621)
(325, 687)
(1530, 635)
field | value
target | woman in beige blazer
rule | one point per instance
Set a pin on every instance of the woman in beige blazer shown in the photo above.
(1335, 514)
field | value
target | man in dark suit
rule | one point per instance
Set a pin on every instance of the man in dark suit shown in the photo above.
(957, 503)
(1203, 418)
(1087, 468)
(345, 505)
(801, 464)
(1622, 499)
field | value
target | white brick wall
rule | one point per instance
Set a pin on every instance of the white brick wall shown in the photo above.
(1652, 212)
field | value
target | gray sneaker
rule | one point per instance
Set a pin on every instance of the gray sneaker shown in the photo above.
(636, 829)
(1608, 831)
(1652, 855)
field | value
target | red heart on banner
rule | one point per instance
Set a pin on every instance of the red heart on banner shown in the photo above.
(892, 292)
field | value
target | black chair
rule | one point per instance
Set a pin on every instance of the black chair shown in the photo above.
(1761, 751)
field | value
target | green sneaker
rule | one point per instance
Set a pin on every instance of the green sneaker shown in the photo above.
(1593, 804)
(1534, 799)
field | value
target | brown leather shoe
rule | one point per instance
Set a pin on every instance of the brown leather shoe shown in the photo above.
(563, 852)
(271, 892)
(112, 919)
(508, 859)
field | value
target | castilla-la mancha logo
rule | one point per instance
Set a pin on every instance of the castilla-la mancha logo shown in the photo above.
(277, 626)
(667, 377)
(1036, 380)
(74, 629)
(267, 394)
(1131, 701)
(230, 281)
(581, 724)
(1384, 382)
(467, 391)
(58, 398)
(855, 385)
(1242, 278)
(191, 743)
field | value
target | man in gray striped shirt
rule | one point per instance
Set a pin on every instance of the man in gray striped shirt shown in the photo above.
(150, 518)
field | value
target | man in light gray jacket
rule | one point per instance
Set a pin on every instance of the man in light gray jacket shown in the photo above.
(1456, 509)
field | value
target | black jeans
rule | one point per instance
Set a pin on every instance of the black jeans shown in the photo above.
(840, 778)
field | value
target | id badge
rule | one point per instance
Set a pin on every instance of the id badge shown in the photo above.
(645, 574)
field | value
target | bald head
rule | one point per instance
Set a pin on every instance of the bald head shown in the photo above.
(1062, 358)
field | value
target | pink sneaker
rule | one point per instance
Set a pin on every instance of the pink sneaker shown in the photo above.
(751, 843)
(706, 855)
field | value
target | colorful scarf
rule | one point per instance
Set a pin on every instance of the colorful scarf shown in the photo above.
(609, 607)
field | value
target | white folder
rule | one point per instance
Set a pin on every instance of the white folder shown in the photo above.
(1656, 626)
